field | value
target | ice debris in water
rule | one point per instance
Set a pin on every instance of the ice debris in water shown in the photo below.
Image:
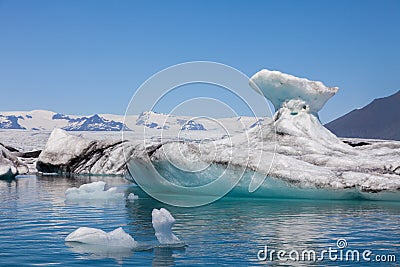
(93, 190)
(162, 223)
(93, 236)
(132, 197)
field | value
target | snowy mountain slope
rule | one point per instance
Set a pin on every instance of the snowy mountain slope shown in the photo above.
(48, 120)
(10, 122)
(36, 119)
(94, 123)
(153, 122)
(169, 125)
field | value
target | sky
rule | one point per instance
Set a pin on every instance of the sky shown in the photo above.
(86, 57)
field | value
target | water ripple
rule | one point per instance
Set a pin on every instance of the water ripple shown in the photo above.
(34, 220)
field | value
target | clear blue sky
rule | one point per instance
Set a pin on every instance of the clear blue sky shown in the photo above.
(85, 57)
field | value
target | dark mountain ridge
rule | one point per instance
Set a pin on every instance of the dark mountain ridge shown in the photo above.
(378, 120)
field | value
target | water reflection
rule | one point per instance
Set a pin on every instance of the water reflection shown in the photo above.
(88, 251)
(34, 220)
(164, 256)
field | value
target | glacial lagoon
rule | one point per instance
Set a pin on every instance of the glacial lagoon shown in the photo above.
(35, 219)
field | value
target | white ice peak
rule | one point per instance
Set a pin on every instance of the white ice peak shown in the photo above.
(280, 88)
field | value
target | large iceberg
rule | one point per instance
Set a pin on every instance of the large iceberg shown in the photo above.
(290, 155)
(293, 153)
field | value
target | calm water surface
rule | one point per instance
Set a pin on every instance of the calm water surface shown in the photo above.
(35, 219)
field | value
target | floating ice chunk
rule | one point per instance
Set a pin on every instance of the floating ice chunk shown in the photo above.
(93, 236)
(7, 172)
(10, 165)
(93, 190)
(162, 223)
(279, 88)
(132, 197)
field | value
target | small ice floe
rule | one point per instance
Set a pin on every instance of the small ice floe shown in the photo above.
(92, 191)
(92, 236)
(10, 165)
(118, 244)
(132, 197)
(162, 223)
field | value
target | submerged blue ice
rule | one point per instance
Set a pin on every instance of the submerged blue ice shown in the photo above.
(187, 189)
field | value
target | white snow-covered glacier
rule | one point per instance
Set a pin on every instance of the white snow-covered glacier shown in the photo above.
(290, 155)
(39, 120)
